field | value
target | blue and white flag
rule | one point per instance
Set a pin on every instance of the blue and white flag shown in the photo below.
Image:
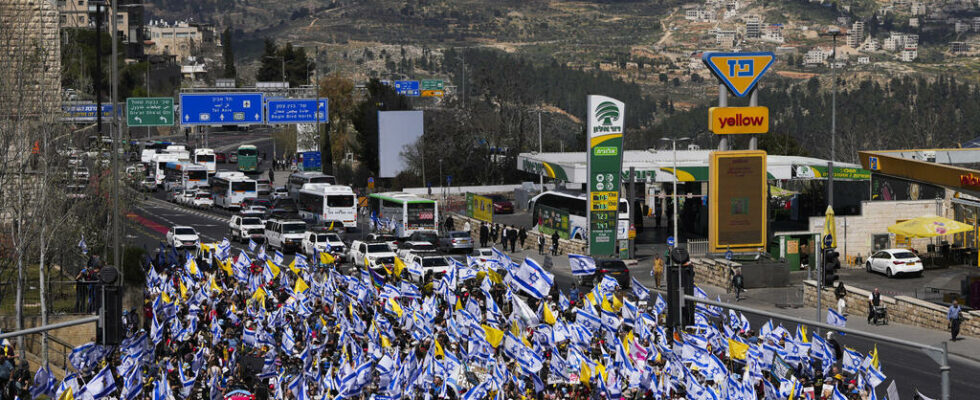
(533, 279)
(252, 245)
(277, 257)
(581, 265)
(82, 245)
(838, 395)
(875, 377)
(852, 361)
(101, 385)
(641, 292)
(834, 318)
(44, 383)
(70, 382)
(608, 284)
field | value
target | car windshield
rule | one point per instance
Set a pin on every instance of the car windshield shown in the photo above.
(294, 227)
(321, 238)
(184, 231)
(434, 262)
(378, 248)
(251, 221)
(333, 237)
(904, 255)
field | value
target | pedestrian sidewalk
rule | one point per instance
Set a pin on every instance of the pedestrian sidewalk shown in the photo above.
(788, 300)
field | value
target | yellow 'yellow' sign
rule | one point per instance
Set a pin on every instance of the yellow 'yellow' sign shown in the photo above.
(735, 120)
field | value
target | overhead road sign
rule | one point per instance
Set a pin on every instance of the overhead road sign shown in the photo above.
(150, 111)
(408, 88)
(433, 93)
(432, 84)
(296, 111)
(739, 71)
(221, 108)
(735, 120)
(84, 112)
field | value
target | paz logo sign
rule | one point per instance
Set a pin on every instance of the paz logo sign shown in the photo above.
(739, 71)
(605, 117)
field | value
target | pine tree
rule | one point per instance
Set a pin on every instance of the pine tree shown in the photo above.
(228, 55)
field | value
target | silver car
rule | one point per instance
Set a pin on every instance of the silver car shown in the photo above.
(456, 241)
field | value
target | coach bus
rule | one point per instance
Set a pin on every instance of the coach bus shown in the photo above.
(324, 204)
(297, 180)
(548, 210)
(184, 175)
(230, 189)
(205, 157)
(248, 158)
(158, 163)
(403, 214)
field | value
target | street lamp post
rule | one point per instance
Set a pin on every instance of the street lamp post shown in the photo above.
(540, 150)
(834, 32)
(674, 194)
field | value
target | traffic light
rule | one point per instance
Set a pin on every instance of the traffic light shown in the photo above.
(680, 264)
(831, 263)
(110, 329)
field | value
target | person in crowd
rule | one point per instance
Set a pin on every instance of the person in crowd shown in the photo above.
(541, 244)
(466, 226)
(503, 236)
(841, 293)
(484, 234)
(450, 224)
(554, 243)
(522, 236)
(658, 269)
(81, 288)
(495, 234)
(512, 237)
(874, 301)
(954, 319)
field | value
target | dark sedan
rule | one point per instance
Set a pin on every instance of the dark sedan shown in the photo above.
(501, 205)
(220, 158)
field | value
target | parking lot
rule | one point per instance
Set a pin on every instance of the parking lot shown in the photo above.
(942, 279)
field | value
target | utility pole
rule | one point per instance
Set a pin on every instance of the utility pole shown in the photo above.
(98, 69)
(117, 138)
(834, 31)
(540, 150)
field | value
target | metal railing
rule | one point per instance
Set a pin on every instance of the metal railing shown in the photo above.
(697, 248)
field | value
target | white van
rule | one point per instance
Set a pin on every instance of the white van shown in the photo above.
(285, 234)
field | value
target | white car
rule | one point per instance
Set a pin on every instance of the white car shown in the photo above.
(186, 197)
(433, 266)
(244, 227)
(183, 237)
(314, 242)
(202, 200)
(372, 252)
(483, 254)
(893, 262)
(417, 247)
(279, 193)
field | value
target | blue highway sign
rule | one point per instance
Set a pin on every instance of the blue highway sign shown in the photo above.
(221, 108)
(408, 88)
(295, 111)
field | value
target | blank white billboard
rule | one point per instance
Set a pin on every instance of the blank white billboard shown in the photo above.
(396, 129)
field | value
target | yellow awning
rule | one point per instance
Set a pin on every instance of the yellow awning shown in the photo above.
(929, 226)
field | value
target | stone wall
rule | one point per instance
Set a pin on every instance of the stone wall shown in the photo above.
(854, 232)
(565, 246)
(901, 309)
(708, 271)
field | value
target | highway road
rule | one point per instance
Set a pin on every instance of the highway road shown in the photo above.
(909, 367)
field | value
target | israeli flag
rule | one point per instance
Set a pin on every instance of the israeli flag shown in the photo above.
(641, 292)
(875, 377)
(834, 318)
(277, 257)
(581, 265)
(252, 245)
(533, 279)
(838, 395)
(660, 305)
(43, 383)
(852, 361)
(82, 245)
(415, 269)
(101, 385)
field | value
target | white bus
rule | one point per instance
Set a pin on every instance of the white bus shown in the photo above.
(205, 157)
(321, 203)
(296, 181)
(403, 214)
(230, 189)
(158, 164)
(548, 210)
(184, 175)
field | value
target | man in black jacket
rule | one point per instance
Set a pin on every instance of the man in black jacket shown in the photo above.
(484, 234)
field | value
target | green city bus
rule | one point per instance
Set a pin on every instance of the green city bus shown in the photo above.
(248, 158)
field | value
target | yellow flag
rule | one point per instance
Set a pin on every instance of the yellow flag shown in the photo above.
(166, 297)
(616, 304)
(459, 304)
(547, 316)
(193, 267)
(301, 286)
(591, 298)
(804, 335)
(600, 370)
(67, 395)
(438, 350)
(737, 349)
(331, 225)
(493, 335)
(259, 296)
(627, 342)
(292, 267)
(395, 308)
(367, 263)
(495, 277)
(273, 267)
(399, 266)
(183, 290)
(385, 342)
(516, 330)
(585, 375)
(326, 258)
(215, 287)
(874, 357)
(226, 266)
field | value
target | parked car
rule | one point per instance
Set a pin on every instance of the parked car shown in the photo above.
(363, 254)
(183, 237)
(318, 240)
(611, 267)
(279, 193)
(232, 158)
(406, 249)
(893, 262)
(202, 200)
(456, 241)
(241, 228)
(220, 158)
(501, 205)
(283, 207)
(424, 236)
(483, 254)
(391, 240)
(263, 186)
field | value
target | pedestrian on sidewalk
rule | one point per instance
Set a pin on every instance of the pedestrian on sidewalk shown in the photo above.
(512, 236)
(484, 234)
(554, 243)
(840, 292)
(658, 269)
(954, 319)
(540, 243)
(522, 236)
(874, 301)
(466, 226)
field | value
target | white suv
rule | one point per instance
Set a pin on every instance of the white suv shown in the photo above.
(244, 227)
(314, 242)
(374, 253)
(409, 248)
(433, 266)
(183, 237)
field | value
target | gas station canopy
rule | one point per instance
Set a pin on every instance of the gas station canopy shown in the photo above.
(692, 166)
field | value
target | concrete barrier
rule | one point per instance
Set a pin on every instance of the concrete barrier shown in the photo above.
(901, 309)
